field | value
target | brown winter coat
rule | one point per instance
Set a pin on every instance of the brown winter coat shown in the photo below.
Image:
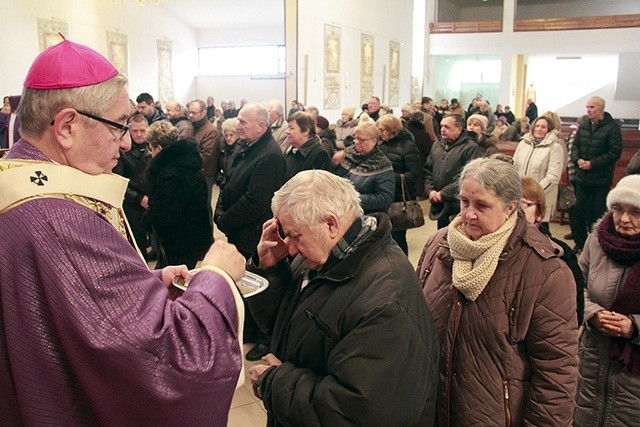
(510, 357)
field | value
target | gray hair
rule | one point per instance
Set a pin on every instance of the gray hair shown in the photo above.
(276, 106)
(230, 125)
(599, 99)
(369, 128)
(260, 112)
(497, 175)
(39, 106)
(310, 196)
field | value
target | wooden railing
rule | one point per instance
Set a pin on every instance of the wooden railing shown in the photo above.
(544, 24)
(466, 27)
(579, 23)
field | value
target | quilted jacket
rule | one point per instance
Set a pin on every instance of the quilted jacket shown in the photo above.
(601, 144)
(609, 393)
(510, 357)
(357, 343)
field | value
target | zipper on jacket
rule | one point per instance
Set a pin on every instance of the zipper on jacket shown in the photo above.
(507, 408)
(321, 324)
(457, 307)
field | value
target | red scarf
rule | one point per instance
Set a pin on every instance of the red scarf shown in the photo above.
(625, 251)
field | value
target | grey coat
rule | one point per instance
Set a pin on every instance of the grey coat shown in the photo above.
(608, 393)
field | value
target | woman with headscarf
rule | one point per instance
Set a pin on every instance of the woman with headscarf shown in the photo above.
(345, 127)
(609, 392)
(477, 123)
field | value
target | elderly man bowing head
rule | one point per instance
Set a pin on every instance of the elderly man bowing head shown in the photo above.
(353, 343)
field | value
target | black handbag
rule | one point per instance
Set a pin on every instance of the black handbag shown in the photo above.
(407, 213)
(566, 197)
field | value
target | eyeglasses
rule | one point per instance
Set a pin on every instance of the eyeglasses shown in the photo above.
(195, 113)
(632, 212)
(361, 140)
(124, 128)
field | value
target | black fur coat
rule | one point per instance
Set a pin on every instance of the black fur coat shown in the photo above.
(178, 202)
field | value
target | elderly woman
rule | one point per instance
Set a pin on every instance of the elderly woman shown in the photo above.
(540, 156)
(345, 127)
(609, 393)
(504, 307)
(306, 150)
(477, 123)
(369, 170)
(229, 129)
(397, 143)
(534, 205)
(177, 197)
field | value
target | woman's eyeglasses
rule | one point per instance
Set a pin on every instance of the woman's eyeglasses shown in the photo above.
(632, 212)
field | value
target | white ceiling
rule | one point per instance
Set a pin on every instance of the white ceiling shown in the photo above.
(211, 14)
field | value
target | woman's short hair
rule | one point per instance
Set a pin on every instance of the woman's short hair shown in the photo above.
(161, 133)
(497, 175)
(38, 107)
(555, 119)
(305, 121)
(550, 125)
(312, 195)
(532, 190)
(390, 122)
(230, 125)
(368, 128)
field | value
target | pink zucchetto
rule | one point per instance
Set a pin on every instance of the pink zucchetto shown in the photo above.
(68, 65)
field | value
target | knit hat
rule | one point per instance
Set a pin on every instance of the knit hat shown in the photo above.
(349, 110)
(322, 122)
(365, 118)
(68, 65)
(626, 192)
(484, 122)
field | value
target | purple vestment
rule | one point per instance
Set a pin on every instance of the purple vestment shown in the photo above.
(88, 335)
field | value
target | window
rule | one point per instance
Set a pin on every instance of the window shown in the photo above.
(242, 60)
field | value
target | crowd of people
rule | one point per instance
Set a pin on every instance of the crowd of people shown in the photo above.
(500, 323)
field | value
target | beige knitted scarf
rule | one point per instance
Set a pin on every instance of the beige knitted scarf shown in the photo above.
(475, 261)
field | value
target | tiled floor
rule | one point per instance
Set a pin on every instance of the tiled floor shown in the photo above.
(248, 411)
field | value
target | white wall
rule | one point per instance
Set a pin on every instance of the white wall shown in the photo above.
(256, 89)
(88, 22)
(379, 18)
(542, 44)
